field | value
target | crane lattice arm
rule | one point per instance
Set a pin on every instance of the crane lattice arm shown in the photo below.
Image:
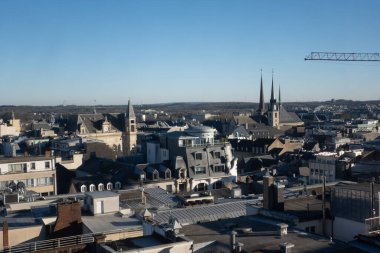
(331, 56)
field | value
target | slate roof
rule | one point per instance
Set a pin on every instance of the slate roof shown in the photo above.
(242, 120)
(205, 213)
(288, 117)
(93, 122)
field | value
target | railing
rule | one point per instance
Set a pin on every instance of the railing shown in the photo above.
(203, 144)
(373, 225)
(50, 244)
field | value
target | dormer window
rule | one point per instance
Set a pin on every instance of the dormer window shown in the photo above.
(167, 174)
(82, 129)
(155, 175)
(83, 188)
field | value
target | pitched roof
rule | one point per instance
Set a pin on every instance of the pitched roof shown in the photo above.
(242, 120)
(288, 117)
(93, 122)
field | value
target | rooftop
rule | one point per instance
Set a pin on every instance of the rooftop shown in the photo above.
(110, 222)
(102, 194)
(19, 159)
(263, 238)
(212, 212)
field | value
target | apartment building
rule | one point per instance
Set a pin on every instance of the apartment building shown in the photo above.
(30, 173)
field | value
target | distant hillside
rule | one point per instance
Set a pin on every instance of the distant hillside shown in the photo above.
(37, 112)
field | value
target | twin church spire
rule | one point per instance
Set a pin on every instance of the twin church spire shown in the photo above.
(272, 101)
(272, 115)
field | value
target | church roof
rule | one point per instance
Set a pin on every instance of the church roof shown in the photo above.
(93, 122)
(242, 120)
(288, 117)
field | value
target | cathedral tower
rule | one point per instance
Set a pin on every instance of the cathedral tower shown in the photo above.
(273, 112)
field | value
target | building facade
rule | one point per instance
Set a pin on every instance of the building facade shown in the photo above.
(29, 173)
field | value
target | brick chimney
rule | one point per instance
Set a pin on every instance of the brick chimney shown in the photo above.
(69, 219)
(5, 234)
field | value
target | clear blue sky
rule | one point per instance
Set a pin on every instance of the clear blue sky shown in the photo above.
(172, 51)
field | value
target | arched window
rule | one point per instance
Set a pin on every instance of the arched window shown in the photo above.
(92, 187)
(118, 185)
(155, 175)
(101, 187)
(168, 174)
(109, 186)
(83, 188)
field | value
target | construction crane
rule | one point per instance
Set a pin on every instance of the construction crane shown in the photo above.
(332, 56)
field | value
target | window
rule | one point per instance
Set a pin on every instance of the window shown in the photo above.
(83, 188)
(219, 168)
(217, 154)
(92, 187)
(169, 188)
(200, 170)
(49, 180)
(101, 187)
(14, 168)
(33, 166)
(109, 186)
(30, 182)
(47, 165)
(118, 185)
(42, 181)
(198, 156)
(155, 175)
(132, 128)
(132, 121)
(168, 174)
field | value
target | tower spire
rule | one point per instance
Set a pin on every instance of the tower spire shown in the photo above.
(272, 92)
(279, 95)
(262, 104)
(130, 112)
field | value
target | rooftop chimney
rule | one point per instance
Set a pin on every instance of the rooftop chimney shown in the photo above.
(233, 241)
(286, 247)
(69, 219)
(5, 234)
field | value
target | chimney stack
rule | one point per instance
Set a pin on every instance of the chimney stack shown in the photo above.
(5, 234)
(233, 241)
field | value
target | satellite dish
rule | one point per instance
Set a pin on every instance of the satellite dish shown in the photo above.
(20, 185)
(12, 185)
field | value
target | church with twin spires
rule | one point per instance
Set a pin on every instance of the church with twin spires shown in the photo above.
(274, 114)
